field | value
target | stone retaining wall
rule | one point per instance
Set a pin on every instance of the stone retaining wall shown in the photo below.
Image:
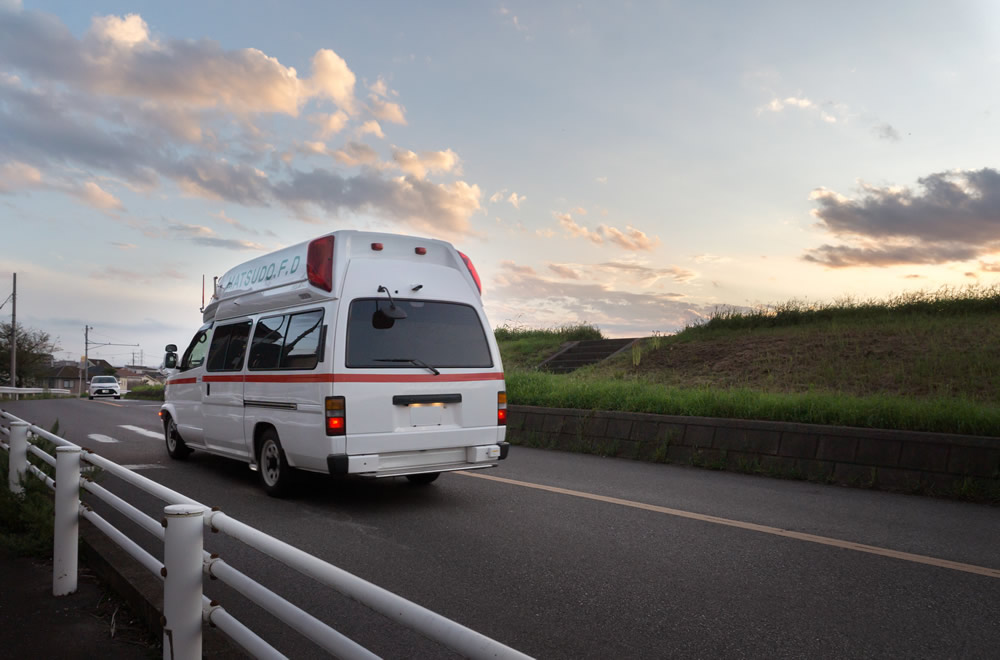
(895, 460)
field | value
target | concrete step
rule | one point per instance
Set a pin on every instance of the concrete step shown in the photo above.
(584, 353)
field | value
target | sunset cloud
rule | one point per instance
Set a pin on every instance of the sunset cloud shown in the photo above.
(630, 238)
(950, 216)
(613, 309)
(419, 165)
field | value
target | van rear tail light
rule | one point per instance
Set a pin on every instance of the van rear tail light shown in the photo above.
(472, 271)
(420, 250)
(377, 247)
(319, 263)
(501, 409)
(336, 415)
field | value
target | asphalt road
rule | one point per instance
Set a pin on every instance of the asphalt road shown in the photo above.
(570, 556)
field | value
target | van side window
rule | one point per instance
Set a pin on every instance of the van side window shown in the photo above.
(196, 351)
(265, 350)
(302, 341)
(229, 345)
(291, 341)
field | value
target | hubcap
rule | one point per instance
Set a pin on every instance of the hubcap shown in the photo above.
(171, 439)
(270, 463)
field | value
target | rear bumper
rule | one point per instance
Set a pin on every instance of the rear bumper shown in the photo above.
(417, 462)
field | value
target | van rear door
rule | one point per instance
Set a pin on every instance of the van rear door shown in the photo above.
(422, 374)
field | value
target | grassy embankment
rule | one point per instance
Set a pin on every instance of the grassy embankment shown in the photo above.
(922, 362)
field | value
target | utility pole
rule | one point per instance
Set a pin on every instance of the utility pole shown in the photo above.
(13, 335)
(86, 351)
(13, 332)
(86, 355)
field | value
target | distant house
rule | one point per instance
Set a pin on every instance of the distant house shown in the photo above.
(131, 376)
(66, 375)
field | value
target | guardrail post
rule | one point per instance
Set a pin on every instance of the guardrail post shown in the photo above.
(183, 543)
(18, 459)
(66, 531)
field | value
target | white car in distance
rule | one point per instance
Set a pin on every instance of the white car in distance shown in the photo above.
(104, 386)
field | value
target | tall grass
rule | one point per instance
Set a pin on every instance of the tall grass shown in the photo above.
(945, 302)
(939, 414)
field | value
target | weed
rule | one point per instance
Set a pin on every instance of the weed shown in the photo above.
(636, 354)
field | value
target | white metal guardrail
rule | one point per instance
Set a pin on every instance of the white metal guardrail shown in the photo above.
(185, 562)
(17, 391)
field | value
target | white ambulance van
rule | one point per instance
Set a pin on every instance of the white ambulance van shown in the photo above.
(356, 353)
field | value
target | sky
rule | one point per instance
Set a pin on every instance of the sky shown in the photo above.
(633, 165)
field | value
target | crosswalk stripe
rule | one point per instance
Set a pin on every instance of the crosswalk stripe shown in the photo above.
(97, 437)
(142, 431)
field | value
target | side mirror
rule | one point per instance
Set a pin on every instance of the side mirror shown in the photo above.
(170, 360)
(171, 348)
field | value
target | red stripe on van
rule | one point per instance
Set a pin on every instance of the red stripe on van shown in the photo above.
(421, 378)
(222, 379)
(289, 378)
(343, 378)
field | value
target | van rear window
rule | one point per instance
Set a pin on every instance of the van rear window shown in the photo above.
(439, 334)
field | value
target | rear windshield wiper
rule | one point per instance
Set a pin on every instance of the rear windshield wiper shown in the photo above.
(413, 361)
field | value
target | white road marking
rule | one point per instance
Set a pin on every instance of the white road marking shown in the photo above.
(97, 437)
(145, 466)
(141, 431)
(766, 529)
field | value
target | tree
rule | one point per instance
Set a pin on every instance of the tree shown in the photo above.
(34, 355)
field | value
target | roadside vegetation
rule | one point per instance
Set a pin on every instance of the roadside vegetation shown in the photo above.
(921, 361)
(26, 518)
(148, 392)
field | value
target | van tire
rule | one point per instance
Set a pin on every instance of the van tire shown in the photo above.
(175, 444)
(276, 475)
(91, 398)
(423, 479)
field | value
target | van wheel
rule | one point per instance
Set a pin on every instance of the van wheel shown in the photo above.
(117, 397)
(275, 472)
(175, 444)
(91, 398)
(423, 479)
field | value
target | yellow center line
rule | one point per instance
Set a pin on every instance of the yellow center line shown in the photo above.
(765, 529)
(108, 403)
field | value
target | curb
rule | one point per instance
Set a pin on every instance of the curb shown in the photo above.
(142, 591)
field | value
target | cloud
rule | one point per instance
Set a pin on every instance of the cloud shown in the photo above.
(332, 78)
(387, 111)
(371, 127)
(886, 132)
(133, 276)
(95, 196)
(710, 259)
(650, 276)
(201, 235)
(629, 239)
(426, 161)
(601, 179)
(951, 216)
(828, 112)
(578, 231)
(15, 176)
(356, 153)
(440, 209)
(330, 124)
(144, 109)
(989, 267)
(235, 224)
(555, 302)
(515, 200)
(564, 271)
(123, 246)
